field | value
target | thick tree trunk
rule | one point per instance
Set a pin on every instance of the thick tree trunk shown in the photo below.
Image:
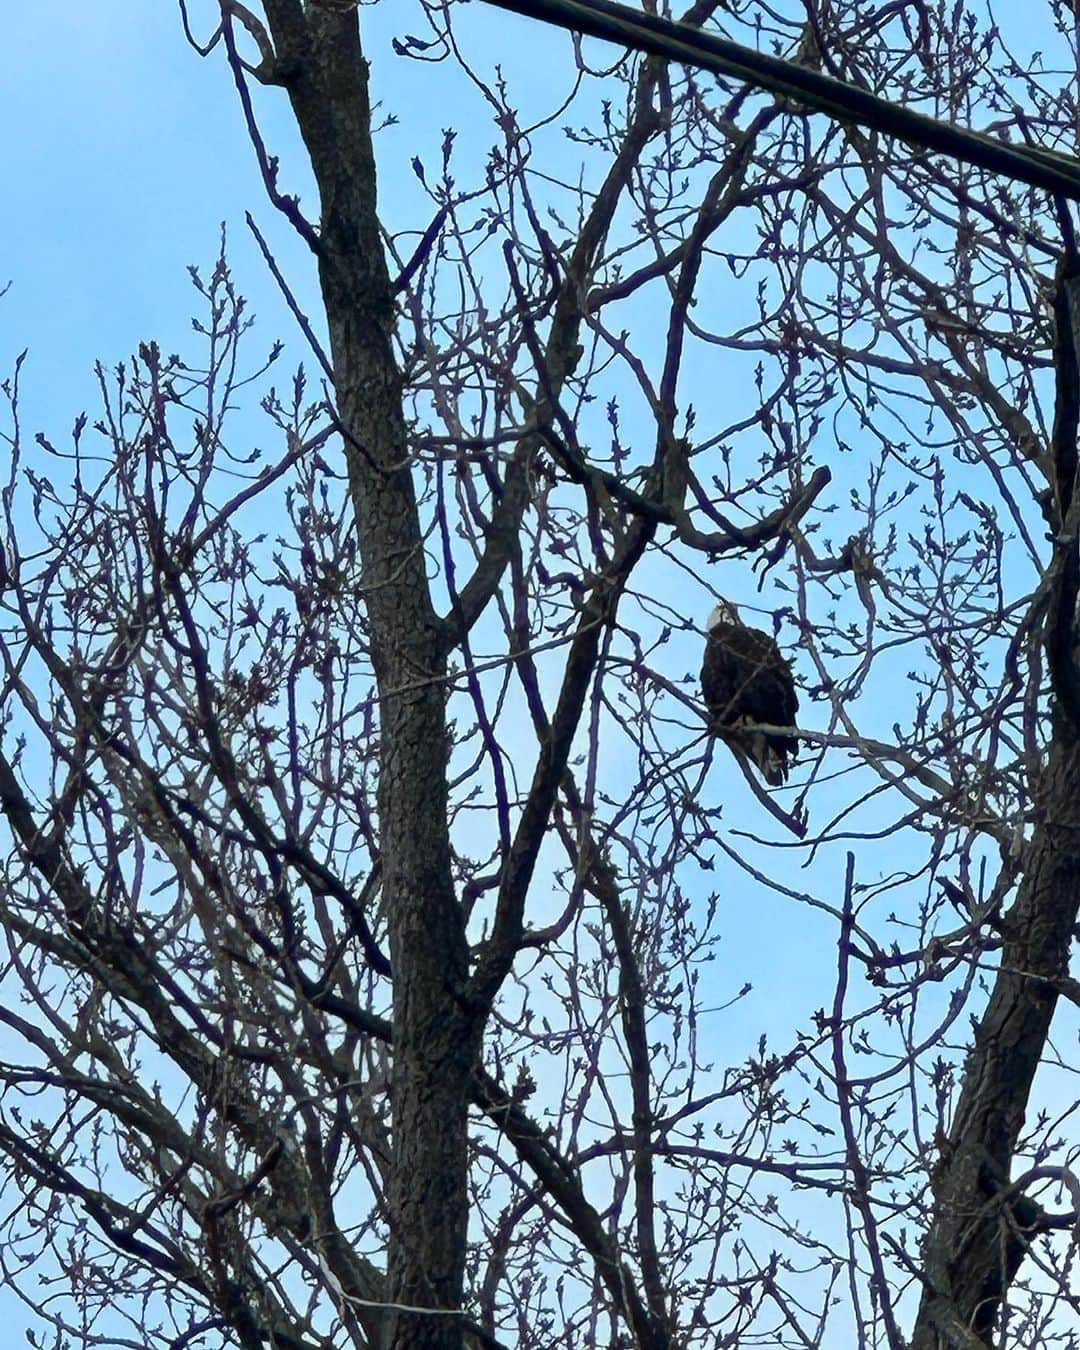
(976, 1240)
(326, 76)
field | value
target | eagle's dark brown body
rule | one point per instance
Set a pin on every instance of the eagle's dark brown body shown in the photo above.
(746, 681)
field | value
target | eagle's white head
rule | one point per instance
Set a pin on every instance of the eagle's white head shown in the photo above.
(722, 612)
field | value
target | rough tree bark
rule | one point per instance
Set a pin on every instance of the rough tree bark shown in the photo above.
(325, 73)
(981, 1224)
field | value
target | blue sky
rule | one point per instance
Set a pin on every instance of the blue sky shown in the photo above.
(125, 151)
(124, 161)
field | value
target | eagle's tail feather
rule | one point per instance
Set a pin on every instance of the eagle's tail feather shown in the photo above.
(771, 755)
(769, 759)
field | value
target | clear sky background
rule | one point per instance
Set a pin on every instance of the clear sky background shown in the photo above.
(123, 154)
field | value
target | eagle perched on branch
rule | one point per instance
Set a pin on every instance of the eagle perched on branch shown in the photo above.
(746, 682)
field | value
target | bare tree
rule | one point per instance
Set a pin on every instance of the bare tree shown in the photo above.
(383, 918)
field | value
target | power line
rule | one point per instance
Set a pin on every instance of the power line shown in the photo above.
(848, 103)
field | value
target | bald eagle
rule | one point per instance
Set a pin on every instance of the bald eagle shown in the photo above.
(746, 681)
